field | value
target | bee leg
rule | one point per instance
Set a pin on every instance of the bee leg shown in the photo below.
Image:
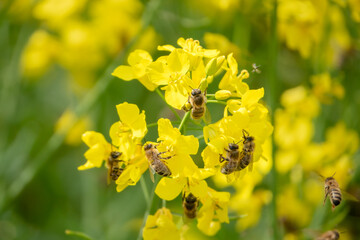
(222, 159)
(326, 195)
(227, 150)
(116, 160)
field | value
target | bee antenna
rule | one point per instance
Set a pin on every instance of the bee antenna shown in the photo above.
(245, 132)
(333, 174)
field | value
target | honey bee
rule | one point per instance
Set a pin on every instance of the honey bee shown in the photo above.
(156, 161)
(236, 160)
(198, 102)
(190, 205)
(114, 169)
(329, 235)
(332, 190)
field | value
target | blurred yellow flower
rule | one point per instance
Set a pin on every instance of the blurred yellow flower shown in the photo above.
(159, 225)
(299, 24)
(54, 12)
(325, 88)
(218, 41)
(291, 209)
(39, 54)
(72, 127)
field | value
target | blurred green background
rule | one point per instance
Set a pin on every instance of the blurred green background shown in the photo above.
(56, 62)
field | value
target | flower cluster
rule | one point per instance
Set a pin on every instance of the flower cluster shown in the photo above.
(185, 75)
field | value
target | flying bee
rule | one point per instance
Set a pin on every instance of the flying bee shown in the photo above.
(329, 235)
(190, 205)
(256, 68)
(114, 169)
(156, 164)
(236, 160)
(332, 190)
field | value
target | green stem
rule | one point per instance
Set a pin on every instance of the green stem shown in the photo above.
(163, 203)
(145, 190)
(186, 116)
(77, 234)
(163, 98)
(148, 208)
(231, 218)
(216, 101)
(200, 137)
(210, 95)
(151, 125)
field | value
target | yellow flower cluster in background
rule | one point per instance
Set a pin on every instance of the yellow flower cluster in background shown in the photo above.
(305, 160)
(81, 37)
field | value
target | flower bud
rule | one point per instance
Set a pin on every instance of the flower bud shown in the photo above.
(214, 65)
(222, 94)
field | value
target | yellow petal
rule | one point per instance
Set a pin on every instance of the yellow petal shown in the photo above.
(169, 48)
(139, 57)
(176, 95)
(199, 189)
(178, 61)
(169, 188)
(126, 73)
(96, 155)
(91, 138)
(147, 83)
(130, 115)
(211, 53)
(232, 64)
(86, 166)
(252, 96)
(181, 42)
(187, 144)
(167, 131)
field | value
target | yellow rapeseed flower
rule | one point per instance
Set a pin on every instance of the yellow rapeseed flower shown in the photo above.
(213, 212)
(138, 61)
(130, 130)
(99, 150)
(160, 226)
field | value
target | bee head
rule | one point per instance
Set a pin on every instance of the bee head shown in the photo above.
(190, 198)
(195, 92)
(249, 139)
(233, 146)
(115, 154)
(148, 146)
(328, 179)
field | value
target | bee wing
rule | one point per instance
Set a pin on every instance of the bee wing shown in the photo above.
(151, 173)
(349, 196)
(257, 70)
(207, 116)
